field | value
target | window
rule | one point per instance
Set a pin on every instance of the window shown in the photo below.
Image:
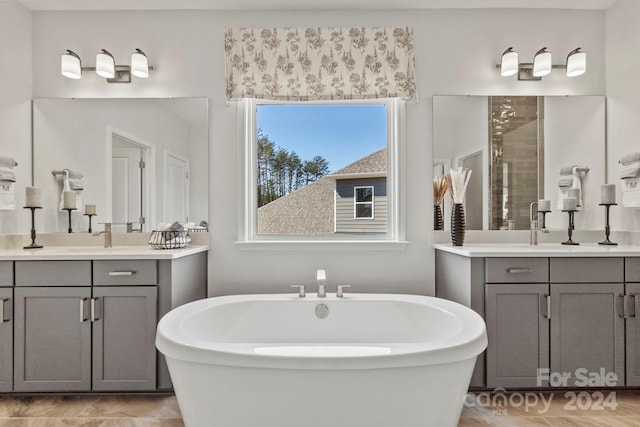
(311, 167)
(363, 202)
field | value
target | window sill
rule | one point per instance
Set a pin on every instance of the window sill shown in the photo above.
(322, 245)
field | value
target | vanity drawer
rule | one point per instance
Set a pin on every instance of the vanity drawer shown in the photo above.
(587, 270)
(117, 273)
(517, 270)
(632, 270)
(53, 273)
(6, 273)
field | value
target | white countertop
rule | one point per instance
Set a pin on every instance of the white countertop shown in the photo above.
(487, 250)
(51, 253)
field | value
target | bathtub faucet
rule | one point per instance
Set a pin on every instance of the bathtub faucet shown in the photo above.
(321, 277)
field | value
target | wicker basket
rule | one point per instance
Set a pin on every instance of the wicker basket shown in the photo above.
(168, 239)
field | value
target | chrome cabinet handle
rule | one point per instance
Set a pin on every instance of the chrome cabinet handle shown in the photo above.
(622, 306)
(122, 273)
(518, 270)
(301, 292)
(2, 301)
(93, 310)
(634, 302)
(547, 314)
(339, 292)
(82, 318)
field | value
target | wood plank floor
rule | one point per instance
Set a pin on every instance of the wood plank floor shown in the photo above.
(481, 409)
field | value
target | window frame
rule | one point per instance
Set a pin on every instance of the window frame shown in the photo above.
(394, 238)
(356, 202)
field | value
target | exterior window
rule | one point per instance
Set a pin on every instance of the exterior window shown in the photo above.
(311, 168)
(363, 202)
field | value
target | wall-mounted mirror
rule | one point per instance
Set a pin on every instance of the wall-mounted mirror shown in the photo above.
(517, 147)
(142, 161)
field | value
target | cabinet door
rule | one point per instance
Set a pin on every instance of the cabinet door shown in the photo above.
(633, 335)
(6, 339)
(518, 332)
(587, 330)
(52, 339)
(124, 327)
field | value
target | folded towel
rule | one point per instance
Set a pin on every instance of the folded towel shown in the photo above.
(567, 170)
(627, 159)
(7, 196)
(7, 174)
(176, 226)
(8, 161)
(630, 171)
(75, 184)
(74, 174)
(565, 182)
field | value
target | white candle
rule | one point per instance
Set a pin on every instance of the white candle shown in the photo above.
(569, 204)
(544, 205)
(608, 194)
(69, 201)
(90, 209)
(33, 197)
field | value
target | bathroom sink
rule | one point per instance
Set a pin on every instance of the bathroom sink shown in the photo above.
(558, 247)
(99, 249)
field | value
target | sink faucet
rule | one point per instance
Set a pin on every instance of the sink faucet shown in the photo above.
(107, 234)
(321, 277)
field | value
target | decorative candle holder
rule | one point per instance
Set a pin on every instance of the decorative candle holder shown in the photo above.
(544, 215)
(570, 229)
(89, 215)
(607, 228)
(69, 210)
(33, 244)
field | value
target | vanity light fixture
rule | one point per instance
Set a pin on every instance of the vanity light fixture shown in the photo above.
(71, 66)
(509, 63)
(576, 63)
(542, 65)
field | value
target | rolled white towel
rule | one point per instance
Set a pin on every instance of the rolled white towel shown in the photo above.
(565, 182)
(631, 170)
(8, 161)
(630, 158)
(567, 170)
(76, 184)
(6, 174)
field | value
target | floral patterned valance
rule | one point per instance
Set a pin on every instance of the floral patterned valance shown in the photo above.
(302, 64)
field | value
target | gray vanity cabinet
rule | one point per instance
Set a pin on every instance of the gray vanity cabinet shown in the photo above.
(587, 323)
(52, 339)
(518, 331)
(632, 287)
(6, 326)
(124, 323)
(587, 329)
(6, 339)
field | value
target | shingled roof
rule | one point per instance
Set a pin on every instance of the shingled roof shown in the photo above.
(309, 210)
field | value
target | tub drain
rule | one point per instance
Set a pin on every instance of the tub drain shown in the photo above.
(322, 311)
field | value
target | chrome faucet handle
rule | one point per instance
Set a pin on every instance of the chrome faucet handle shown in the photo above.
(301, 292)
(321, 277)
(340, 292)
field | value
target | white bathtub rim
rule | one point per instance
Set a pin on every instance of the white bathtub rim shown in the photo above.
(173, 344)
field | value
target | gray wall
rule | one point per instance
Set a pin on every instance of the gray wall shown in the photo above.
(345, 222)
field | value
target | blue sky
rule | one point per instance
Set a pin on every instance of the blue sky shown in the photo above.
(339, 133)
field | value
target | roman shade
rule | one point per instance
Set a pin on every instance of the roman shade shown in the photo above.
(306, 64)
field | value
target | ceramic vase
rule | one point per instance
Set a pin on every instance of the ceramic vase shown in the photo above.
(438, 222)
(457, 224)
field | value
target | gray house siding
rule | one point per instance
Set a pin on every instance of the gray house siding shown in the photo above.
(345, 221)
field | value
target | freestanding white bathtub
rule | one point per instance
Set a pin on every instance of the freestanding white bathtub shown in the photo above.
(365, 360)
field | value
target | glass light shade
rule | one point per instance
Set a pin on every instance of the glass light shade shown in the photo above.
(70, 65)
(139, 64)
(509, 63)
(542, 63)
(576, 63)
(105, 65)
